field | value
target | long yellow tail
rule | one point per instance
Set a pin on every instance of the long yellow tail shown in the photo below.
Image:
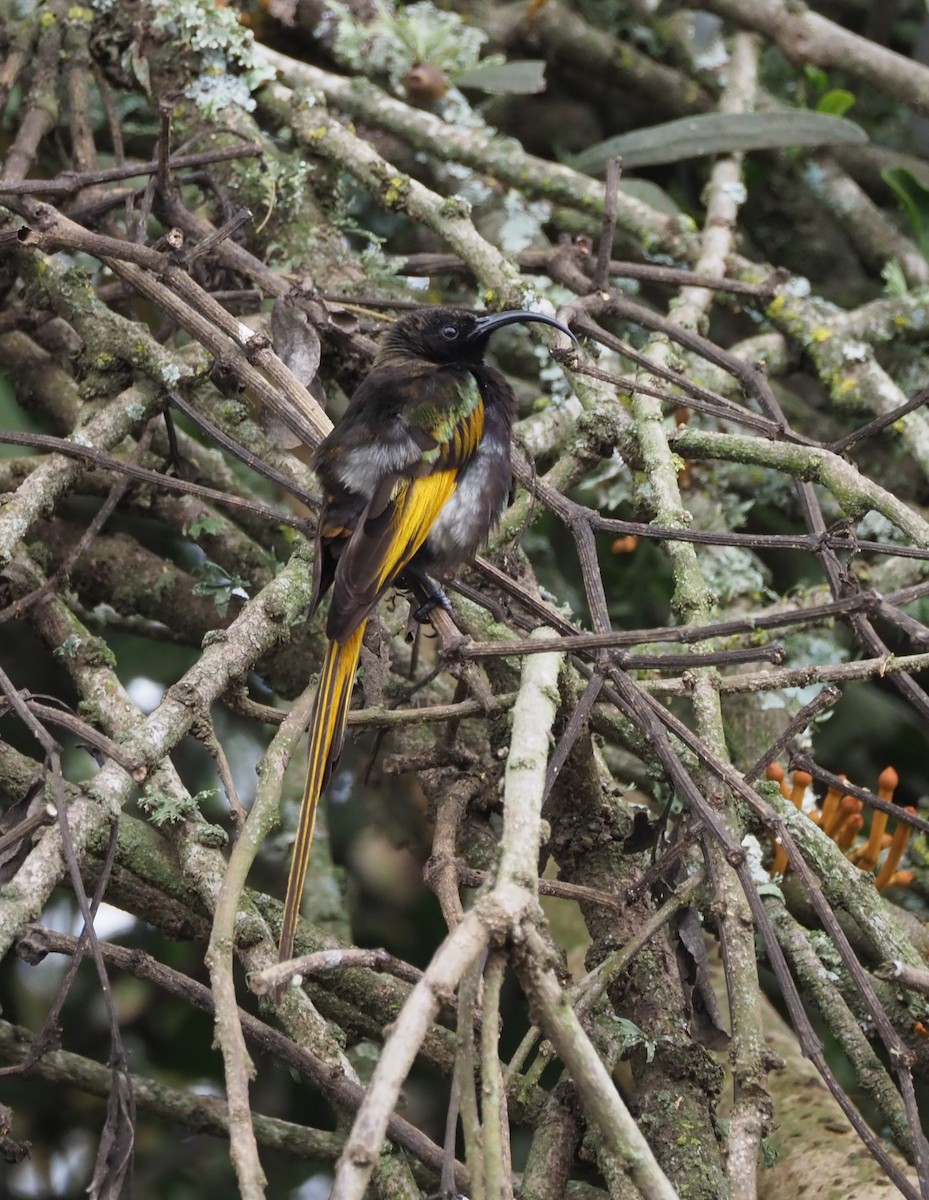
(327, 733)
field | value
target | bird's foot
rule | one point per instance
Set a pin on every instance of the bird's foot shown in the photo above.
(423, 615)
(436, 599)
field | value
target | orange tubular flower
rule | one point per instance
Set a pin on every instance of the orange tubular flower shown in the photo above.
(849, 830)
(801, 781)
(886, 786)
(848, 807)
(895, 853)
(830, 807)
(833, 814)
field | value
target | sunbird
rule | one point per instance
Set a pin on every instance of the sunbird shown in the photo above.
(415, 476)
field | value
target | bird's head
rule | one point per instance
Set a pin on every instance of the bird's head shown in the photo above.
(452, 335)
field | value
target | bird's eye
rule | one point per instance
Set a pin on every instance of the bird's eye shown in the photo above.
(450, 332)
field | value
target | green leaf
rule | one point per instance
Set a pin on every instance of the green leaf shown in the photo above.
(836, 101)
(721, 133)
(165, 809)
(651, 194)
(520, 78)
(629, 1031)
(914, 198)
(213, 581)
(817, 77)
(894, 280)
(211, 526)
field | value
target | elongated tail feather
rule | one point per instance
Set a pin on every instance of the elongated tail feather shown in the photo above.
(327, 733)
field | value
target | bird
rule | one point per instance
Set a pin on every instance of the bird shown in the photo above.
(415, 475)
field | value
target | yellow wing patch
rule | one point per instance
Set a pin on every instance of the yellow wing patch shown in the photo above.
(417, 504)
(465, 438)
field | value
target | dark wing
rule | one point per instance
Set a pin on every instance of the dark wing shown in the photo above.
(429, 438)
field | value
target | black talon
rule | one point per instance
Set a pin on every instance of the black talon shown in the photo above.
(437, 600)
(430, 592)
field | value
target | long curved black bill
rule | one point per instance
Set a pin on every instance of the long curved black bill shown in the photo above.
(485, 326)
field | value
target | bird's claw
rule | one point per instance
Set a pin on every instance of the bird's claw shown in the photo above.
(438, 599)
